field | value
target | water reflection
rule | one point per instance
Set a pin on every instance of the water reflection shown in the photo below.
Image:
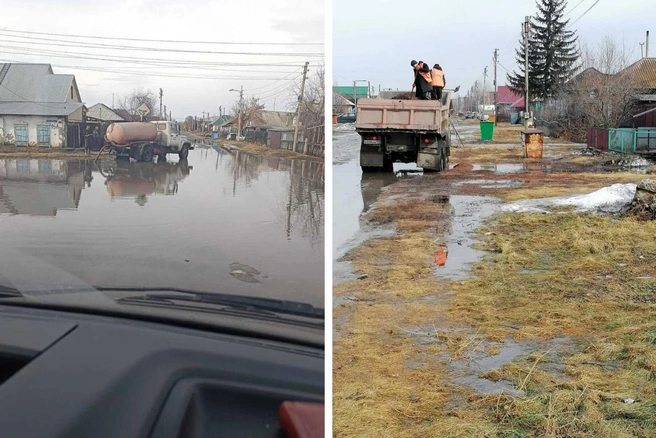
(38, 187)
(138, 224)
(139, 180)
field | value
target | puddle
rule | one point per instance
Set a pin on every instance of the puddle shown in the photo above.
(468, 371)
(466, 215)
(492, 184)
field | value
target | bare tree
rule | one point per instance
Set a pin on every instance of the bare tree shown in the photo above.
(603, 95)
(250, 110)
(136, 98)
(188, 123)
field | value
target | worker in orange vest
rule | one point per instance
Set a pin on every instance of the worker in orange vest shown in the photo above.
(422, 81)
(438, 81)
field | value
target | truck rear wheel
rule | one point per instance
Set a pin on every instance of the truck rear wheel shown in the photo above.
(147, 154)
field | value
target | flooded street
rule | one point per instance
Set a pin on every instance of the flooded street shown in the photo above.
(226, 222)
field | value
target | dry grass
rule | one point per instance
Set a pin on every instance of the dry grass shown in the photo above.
(590, 292)
(258, 149)
(11, 153)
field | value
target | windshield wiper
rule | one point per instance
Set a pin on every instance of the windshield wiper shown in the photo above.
(251, 304)
(9, 291)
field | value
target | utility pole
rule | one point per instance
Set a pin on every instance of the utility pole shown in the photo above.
(642, 52)
(274, 103)
(484, 85)
(496, 95)
(300, 103)
(527, 105)
(164, 113)
(161, 94)
(241, 109)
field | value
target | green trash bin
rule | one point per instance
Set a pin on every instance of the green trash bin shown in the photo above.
(487, 130)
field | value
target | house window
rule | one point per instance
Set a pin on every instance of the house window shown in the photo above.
(20, 132)
(43, 135)
(23, 166)
(45, 166)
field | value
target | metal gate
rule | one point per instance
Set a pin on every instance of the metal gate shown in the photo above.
(631, 141)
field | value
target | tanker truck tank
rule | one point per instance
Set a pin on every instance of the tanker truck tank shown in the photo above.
(124, 133)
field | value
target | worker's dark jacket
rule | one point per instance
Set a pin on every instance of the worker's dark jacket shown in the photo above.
(422, 85)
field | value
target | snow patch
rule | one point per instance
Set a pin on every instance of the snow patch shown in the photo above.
(344, 127)
(612, 199)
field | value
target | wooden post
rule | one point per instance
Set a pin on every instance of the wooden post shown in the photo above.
(305, 147)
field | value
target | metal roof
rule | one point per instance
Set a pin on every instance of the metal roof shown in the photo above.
(102, 112)
(34, 82)
(643, 73)
(39, 109)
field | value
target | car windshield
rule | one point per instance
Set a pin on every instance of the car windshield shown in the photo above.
(199, 200)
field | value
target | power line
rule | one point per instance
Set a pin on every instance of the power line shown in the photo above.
(133, 73)
(119, 59)
(157, 49)
(577, 5)
(161, 41)
(588, 10)
(26, 99)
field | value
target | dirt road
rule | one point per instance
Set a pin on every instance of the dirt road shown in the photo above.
(534, 324)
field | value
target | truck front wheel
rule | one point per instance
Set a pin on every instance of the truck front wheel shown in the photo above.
(184, 152)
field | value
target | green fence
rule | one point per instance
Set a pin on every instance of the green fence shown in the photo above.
(622, 140)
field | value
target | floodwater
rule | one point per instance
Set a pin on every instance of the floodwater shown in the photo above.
(225, 222)
(355, 193)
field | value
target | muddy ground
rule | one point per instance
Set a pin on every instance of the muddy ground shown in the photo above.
(452, 318)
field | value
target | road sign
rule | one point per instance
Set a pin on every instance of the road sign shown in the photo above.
(143, 109)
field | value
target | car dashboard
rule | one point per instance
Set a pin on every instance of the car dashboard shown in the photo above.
(65, 374)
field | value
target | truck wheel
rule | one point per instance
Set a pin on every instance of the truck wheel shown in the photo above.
(147, 154)
(184, 152)
(444, 163)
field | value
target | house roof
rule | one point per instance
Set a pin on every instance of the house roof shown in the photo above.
(643, 73)
(102, 112)
(360, 92)
(274, 119)
(125, 115)
(34, 82)
(221, 120)
(507, 95)
(39, 109)
(342, 101)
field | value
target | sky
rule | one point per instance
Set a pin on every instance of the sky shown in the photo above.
(375, 40)
(192, 83)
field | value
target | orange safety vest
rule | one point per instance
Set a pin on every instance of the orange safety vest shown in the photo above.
(438, 77)
(426, 76)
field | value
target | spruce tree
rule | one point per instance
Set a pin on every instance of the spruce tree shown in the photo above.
(552, 53)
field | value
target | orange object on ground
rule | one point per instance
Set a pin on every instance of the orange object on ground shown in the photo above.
(302, 420)
(440, 256)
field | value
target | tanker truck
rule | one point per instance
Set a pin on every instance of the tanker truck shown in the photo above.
(141, 141)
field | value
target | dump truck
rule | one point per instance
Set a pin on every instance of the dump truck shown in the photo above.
(407, 131)
(142, 141)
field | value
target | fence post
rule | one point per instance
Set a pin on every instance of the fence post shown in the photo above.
(635, 140)
(305, 146)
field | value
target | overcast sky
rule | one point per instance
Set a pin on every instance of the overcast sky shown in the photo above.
(189, 92)
(376, 39)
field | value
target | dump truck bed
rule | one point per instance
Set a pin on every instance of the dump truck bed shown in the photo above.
(406, 115)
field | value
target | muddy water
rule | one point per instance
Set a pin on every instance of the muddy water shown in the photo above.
(355, 193)
(227, 222)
